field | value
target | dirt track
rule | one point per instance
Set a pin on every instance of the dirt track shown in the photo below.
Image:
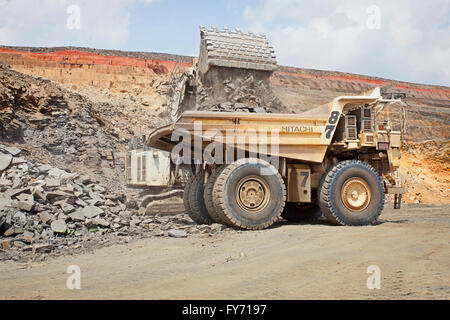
(288, 261)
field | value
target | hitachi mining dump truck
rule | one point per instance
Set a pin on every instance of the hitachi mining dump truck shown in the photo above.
(251, 168)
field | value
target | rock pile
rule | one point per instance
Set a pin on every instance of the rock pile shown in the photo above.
(237, 88)
(60, 127)
(48, 210)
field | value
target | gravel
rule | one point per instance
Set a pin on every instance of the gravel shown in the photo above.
(47, 211)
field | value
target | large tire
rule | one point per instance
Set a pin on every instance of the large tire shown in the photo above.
(198, 211)
(351, 194)
(187, 205)
(294, 212)
(245, 198)
(208, 195)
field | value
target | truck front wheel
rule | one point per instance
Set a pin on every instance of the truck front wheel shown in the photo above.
(351, 194)
(249, 194)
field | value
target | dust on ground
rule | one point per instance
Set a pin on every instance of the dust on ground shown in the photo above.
(287, 261)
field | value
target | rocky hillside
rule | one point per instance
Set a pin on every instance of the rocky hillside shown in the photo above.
(59, 127)
(141, 77)
(85, 129)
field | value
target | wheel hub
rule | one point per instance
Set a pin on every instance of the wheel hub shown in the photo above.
(356, 194)
(252, 194)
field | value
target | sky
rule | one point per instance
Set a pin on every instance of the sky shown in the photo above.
(407, 40)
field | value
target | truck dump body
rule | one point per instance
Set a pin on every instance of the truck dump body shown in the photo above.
(303, 136)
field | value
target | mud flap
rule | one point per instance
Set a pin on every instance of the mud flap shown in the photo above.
(398, 194)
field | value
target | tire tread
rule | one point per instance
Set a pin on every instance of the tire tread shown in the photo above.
(325, 193)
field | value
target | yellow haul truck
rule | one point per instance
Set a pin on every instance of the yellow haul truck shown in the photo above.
(252, 168)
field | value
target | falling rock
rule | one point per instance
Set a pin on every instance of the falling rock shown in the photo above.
(5, 161)
(59, 226)
(91, 211)
(177, 233)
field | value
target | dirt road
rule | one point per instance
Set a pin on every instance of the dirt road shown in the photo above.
(288, 261)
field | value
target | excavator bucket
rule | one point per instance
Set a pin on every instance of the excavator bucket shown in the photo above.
(235, 49)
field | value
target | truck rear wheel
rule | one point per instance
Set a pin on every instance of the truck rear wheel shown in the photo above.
(198, 211)
(249, 194)
(294, 212)
(351, 194)
(187, 205)
(208, 195)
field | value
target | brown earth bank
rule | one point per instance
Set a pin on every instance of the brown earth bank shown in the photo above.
(287, 261)
(141, 77)
(426, 166)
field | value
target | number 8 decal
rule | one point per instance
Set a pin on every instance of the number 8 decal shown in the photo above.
(334, 117)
